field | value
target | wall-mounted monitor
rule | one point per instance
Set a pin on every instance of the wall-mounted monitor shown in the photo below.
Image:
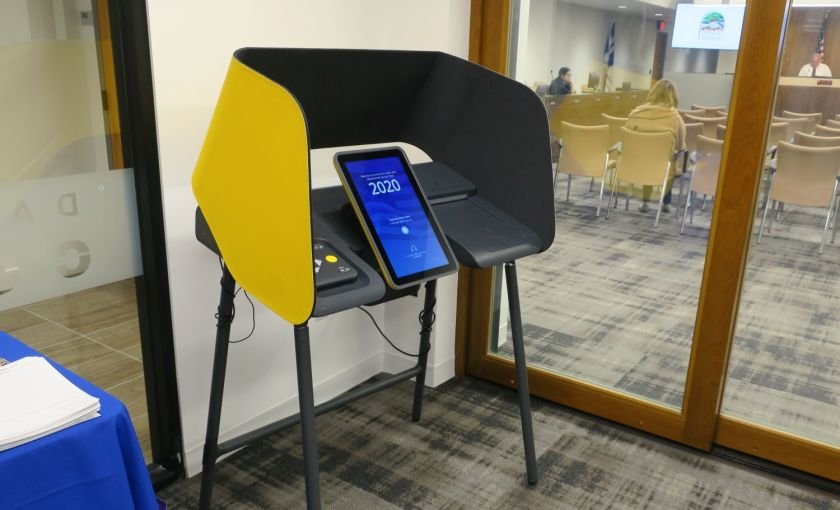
(708, 27)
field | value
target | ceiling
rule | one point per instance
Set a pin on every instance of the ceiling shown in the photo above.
(647, 8)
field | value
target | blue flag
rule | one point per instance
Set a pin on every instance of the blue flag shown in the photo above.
(609, 46)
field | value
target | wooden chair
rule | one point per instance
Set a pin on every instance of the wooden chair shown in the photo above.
(805, 176)
(832, 123)
(721, 132)
(585, 153)
(705, 175)
(645, 160)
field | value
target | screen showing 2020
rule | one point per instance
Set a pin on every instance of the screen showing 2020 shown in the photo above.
(396, 215)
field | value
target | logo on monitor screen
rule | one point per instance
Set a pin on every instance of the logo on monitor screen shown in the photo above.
(711, 26)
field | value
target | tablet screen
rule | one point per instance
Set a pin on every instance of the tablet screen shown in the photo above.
(396, 215)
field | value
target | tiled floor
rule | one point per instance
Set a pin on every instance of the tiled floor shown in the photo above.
(95, 334)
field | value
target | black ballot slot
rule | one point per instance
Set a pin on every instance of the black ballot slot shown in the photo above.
(442, 184)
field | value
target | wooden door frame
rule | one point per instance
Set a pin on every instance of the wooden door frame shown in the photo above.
(108, 78)
(698, 423)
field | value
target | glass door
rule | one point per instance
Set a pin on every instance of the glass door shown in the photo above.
(69, 241)
(82, 270)
(631, 318)
(783, 380)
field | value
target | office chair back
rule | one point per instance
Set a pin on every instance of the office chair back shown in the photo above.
(806, 140)
(709, 111)
(645, 157)
(826, 131)
(707, 168)
(805, 176)
(815, 118)
(795, 124)
(709, 124)
(615, 124)
(692, 131)
(778, 133)
(584, 150)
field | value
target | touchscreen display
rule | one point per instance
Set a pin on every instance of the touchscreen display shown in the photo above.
(396, 214)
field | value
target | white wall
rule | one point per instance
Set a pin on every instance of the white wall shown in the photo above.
(192, 43)
(561, 34)
(537, 66)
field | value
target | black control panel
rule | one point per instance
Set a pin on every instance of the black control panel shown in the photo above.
(331, 268)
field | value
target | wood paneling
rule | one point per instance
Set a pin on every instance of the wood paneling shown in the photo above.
(802, 35)
(825, 100)
(756, 73)
(109, 83)
(586, 109)
(800, 42)
(489, 33)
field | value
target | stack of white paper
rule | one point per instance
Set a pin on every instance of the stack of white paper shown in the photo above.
(36, 400)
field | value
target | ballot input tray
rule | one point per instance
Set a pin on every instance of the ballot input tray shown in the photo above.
(481, 235)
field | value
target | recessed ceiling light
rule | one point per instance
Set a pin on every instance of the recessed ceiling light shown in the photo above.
(622, 6)
(658, 14)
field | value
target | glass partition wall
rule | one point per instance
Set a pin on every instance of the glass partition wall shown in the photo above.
(784, 369)
(630, 315)
(69, 238)
(614, 301)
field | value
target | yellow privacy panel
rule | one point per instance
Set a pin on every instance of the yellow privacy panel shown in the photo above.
(252, 184)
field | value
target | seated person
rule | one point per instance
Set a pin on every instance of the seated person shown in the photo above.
(657, 114)
(562, 85)
(815, 68)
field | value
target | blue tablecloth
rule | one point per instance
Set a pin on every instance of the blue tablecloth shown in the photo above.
(97, 464)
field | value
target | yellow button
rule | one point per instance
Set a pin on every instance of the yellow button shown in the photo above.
(332, 259)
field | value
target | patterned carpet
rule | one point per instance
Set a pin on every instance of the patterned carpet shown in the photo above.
(614, 302)
(467, 453)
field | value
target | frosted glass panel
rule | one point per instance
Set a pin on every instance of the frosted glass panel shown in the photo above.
(68, 216)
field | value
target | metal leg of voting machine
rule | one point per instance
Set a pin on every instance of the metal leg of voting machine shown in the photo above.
(308, 410)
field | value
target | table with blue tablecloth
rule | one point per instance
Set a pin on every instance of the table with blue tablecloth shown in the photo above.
(97, 464)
